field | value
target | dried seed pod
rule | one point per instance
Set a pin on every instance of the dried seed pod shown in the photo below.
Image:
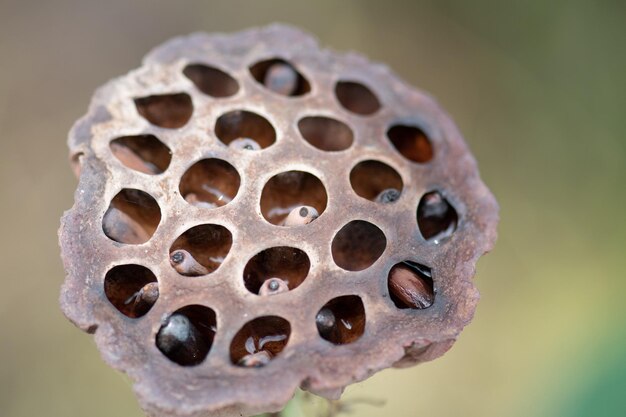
(392, 280)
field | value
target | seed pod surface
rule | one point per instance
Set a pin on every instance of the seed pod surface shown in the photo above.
(226, 161)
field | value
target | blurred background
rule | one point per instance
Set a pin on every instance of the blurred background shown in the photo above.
(538, 89)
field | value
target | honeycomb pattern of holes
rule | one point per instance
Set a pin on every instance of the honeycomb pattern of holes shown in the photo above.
(357, 245)
(205, 247)
(356, 98)
(436, 218)
(289, 264)
(210, 183)
(289, 191)
(280, 77)
(411, 142)
(132, 217)
(376, 181)
(76, 161)
(211, 81)
(186, 336)
(341, 320)
(410, 285)
(325, 133)
(241, 124)
(143, 153)
(259, 341)
(170, 111)
(132, 289)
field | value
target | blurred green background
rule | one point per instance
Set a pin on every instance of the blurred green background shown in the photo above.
(539, 90)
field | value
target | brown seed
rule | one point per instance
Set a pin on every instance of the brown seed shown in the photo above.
(436, 218)
(281, 78)
(411, 286)
(326, 322)
(300, 216)
(181, 341)
(185, 264)
(273, 286)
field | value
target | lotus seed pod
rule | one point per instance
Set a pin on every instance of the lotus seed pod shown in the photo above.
(191, 166)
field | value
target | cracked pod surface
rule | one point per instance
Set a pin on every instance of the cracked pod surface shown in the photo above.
(256, 214)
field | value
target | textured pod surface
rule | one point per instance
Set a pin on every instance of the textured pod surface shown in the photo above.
(166, 164)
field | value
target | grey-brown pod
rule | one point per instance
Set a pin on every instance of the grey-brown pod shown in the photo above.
(349, 251)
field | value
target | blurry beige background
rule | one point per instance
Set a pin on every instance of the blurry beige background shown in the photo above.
(537, 87)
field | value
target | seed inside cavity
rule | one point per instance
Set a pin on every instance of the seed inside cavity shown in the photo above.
(185, 264)
(300, 216)
(245, 144)
(281, 78)
(178, 338)
(411, 285)
(273, 286)
(259, 341)
(388, 196)
(436, 218)
(325, 321)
